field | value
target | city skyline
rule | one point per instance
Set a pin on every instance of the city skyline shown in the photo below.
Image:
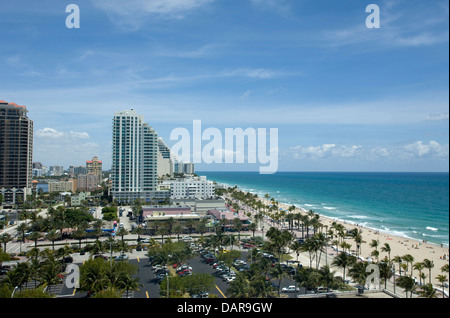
(343, 97)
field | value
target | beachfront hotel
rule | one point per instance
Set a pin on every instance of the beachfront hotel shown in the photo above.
(134, 168)
(188, 188)
(16, 153)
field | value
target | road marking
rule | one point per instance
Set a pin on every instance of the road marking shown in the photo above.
(220, 292)
(146, 293)
(138, 259)
(74, 290)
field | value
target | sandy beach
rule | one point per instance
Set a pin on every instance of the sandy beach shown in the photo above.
(399, 245)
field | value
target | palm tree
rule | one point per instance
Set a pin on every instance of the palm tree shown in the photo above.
(22, 228)
(178, 229)
(429, 265)
(79, 235)
(93, 276)
(63, 252)
(122, 232)
(356, 234)
(358, 272)
(5, 238)
(252, 227)
(162, 231)
(419, 267)
(442, 279)
(240, 287)
(49, 271)
(374, 244)
(237, 224)
(53, 236)
(387, 249)
(128, 282)
(327, 276)
(398, 259)
(427, 291)
(318, 244)
(280, 274)
(407, 283)
(35, 236)
(343, 260)
(409, 259)
(201, 226)
(385, 272)
(296, 247)
(170, 223)
(139, 231)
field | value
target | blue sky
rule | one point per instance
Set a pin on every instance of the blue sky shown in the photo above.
(344, 97)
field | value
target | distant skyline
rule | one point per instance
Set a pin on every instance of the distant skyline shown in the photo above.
(343, 97)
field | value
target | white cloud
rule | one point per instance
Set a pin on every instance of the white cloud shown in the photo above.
(66, 147)
(324, 151)
(79, 135)
(432, 149)
(260, 73)
(416, 150)
(50, 133)
(433, 117)
(133, 12)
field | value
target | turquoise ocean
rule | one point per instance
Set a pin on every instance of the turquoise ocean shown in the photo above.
(410, 205)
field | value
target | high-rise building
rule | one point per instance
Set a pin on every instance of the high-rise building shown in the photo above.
(56, 171)
(183, 168)
(16, 152)
(134, 168)
(87, 182)
(94, 166)
(188, 168)
(165, 164)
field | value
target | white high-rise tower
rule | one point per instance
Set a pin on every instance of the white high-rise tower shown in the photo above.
(134, 158)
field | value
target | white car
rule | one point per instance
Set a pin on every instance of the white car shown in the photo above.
(290, 289)
(229, 279)
(187, 238)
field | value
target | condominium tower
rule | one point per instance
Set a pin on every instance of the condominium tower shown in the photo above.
(16, 153)
(134, 169)
(94, 166)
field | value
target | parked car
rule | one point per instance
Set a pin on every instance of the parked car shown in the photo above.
(101, 256)
(200, 295)
(121, 257)
(290, 289)
(183, 268)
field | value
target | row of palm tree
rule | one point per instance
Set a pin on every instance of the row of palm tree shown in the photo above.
(43, 268)
(46, 268)
(337, 234)
(108, 279)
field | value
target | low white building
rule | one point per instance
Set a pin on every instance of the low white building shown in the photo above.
(194, 187)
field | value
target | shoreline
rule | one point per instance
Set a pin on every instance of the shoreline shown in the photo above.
(400, 246)
(346, 222)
